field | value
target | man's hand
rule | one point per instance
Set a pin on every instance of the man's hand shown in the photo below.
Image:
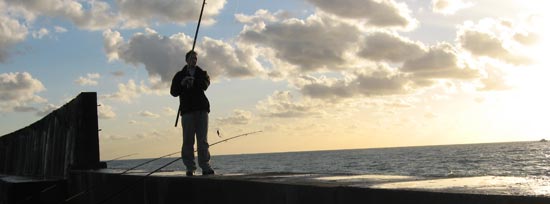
(187, 81)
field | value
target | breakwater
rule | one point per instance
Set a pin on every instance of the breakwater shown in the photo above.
(35, 161)
(65, 139)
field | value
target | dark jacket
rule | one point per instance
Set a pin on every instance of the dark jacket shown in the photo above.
(191, 99)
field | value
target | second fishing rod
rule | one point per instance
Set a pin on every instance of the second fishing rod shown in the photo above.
(95, 187)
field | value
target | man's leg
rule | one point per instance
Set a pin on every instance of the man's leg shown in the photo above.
(202, 140)
(187, 148)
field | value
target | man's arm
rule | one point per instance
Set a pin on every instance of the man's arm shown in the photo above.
(203, 84)
(176, 88)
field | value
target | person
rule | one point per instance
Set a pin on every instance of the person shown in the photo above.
(189, 85)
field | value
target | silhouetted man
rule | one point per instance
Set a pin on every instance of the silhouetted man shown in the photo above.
(189, 84)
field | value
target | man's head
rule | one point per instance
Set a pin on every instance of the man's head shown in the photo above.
(191, 58)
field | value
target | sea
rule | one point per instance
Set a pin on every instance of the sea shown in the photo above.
(517, 159)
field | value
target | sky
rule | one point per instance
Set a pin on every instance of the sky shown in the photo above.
(310, 74)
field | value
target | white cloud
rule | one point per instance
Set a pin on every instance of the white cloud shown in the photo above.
(148, 114)
(112, 41)
(40, 33)
(105, 112)
(162, 56)
(382, 13)
(449, 7)
(261, 16)
(128, 92)
(59, 29)
(18, 89)
(239, 117)
(95, 15)
(169, 111)
(47, 110)
(89, 80)
(142, 12)
(496, 39)
(495, 80)
(11, 33)
(282, 104)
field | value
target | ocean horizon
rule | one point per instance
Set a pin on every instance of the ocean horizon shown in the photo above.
(518, 159)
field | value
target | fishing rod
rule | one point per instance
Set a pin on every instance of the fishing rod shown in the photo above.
(218, 142)
(131, 185)
(152, 160)
(122, 157)
(158, 169)
(55, 185)
(192, 49)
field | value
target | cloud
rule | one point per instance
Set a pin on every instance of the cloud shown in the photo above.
(25, 109)
(169, 111)
(319, 42)
(261, 16)
(101, 15)
(527, 38)
(128, 92)
(440, 62)
(381, 13)
(498, 39)
(281, 104)
(485, 44)
(495, 80)
(46, 110)
(378, 83)
(94, 15)
(148, 114)
(18, 89)
(385, 46)
(142, 12)
(118, 73)
(40, 33)
(12, 32)
(239, 117)
(59, 29)
(89, 80)
(105, 112)
(162, 56)
(449, 7)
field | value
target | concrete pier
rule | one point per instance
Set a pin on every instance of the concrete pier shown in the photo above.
(292, 188)
(56, 160)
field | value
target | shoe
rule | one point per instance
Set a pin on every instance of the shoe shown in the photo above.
(208, 172)
(189, 173)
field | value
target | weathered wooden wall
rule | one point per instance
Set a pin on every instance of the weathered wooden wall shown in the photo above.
(66, 138)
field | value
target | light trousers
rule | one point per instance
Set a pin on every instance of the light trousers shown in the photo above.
(195, 125)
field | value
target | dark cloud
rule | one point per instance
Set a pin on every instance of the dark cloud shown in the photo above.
(281, 104)
(312, 44)
(163, 56)
(390, 47)
(18, 89)
(441, 62)
(485, 44)
(239, 117)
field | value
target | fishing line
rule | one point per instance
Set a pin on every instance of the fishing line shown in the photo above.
(121, 157)
(152, 172)
(78, 194)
